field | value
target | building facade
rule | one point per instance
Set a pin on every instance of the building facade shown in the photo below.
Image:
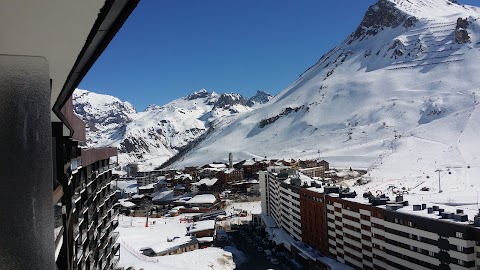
(373, 233)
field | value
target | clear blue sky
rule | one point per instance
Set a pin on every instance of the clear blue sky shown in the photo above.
(168, 49)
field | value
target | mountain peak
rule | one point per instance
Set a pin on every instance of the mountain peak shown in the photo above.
(261, 97)
(202, 93)
(226, 100)
(381, 15)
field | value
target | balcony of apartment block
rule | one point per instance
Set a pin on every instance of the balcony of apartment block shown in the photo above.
(114, 224)
(75, 123)
(115, 255)
(92, 155)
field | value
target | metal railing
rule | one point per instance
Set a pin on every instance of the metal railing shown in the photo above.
(115, 236)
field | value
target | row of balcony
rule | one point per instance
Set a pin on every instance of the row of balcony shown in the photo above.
(95, 257)
(80, 182)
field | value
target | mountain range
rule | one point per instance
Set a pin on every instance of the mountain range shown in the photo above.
(155, 135)
(398, 97)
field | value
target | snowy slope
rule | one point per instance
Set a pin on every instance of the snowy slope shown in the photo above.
(153, 136)
(397, 97)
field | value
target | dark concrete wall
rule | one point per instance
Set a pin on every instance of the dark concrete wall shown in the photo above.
(26, 210)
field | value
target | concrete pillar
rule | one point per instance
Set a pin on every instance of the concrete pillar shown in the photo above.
(26, 184)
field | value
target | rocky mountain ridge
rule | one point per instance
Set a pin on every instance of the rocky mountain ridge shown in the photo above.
(154, 135)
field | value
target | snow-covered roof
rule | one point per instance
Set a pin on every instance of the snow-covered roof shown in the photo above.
(207, 239)
(249, 163)
(137, 196)
(162, 182)
(204, 198)
(163, 195)
(149, 186)
(202, 226)
(125, 203)
(164, 246)
(206, 181)
(217, 165)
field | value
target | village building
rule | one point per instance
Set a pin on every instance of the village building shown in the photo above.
(230, 176)
(324, 164)
(314, 171)
(200, 229)
(208, 201)
(307, 163)
(207, 185)
(177, 245)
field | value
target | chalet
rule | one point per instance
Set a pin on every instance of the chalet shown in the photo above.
(148, 189)
(167, 197)
(247, 186)
(179, 189)
(207, 185)
(205, 228)
(324, 164)
(161, 183)
(230, 176)
(177, 245)
(203, 201)
(307, 163)
(314, 172)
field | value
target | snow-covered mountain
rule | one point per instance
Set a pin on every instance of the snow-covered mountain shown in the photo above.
(259, 98)
(398, 97)
(153, 136)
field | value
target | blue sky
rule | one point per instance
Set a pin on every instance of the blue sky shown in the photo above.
(168, 49)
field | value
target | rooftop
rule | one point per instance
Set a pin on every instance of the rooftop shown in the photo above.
(204, 198)
(202, 226)
(206, 181)
(166, 246)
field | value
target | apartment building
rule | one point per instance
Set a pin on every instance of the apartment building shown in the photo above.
(283, 203)
(372, 232)
(355, 233)
(91, 216)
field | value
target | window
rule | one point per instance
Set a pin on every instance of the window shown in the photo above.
(459, 235)
(431, 253)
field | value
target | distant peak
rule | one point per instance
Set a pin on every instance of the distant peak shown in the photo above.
(384, 14)
(153, 107)
(261, 97)
(202, 93)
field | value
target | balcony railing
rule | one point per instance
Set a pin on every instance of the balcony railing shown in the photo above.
(116, 248)
(90, 156)
(104, 263)
(84, 236)
(76, 231)
(114, 224)
(75, 163)
(115, 262)
(79, 254)
(115, 236)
